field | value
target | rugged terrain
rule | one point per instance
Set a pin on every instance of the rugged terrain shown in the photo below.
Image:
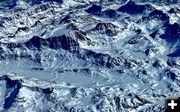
(89, 55)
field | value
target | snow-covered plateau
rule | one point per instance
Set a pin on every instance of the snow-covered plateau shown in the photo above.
(89, 55)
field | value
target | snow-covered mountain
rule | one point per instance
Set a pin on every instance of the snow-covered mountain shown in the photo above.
(89, 55)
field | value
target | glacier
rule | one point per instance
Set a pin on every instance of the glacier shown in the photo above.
(89, 55)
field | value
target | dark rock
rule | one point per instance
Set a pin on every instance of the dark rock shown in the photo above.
(117, 102)
(153, 35)
(73, 91)
(33, 2)
(72, 26)
(172, 10)
(168, 74)
(15, 85)
(157, 64)
(132, 8)
(47, 90)
(80, 35)
(69, 44)
(172, 32)
(176, 53)
(66, 19)
(109, 13)
(64, 42)
(94, 9)
(35, 42)
(159, 14)
(171, 75)
(106, 28)
(9, 4)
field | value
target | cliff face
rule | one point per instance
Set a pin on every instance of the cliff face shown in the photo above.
(88, 55)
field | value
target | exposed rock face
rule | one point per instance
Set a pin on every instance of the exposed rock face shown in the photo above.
(88, 55)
